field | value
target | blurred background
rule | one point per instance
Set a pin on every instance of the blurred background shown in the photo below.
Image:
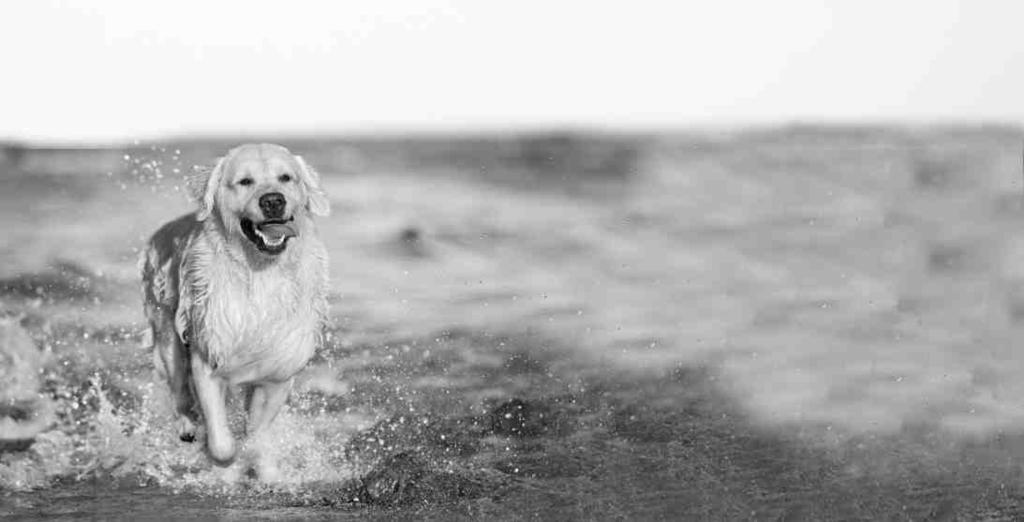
(740, 260)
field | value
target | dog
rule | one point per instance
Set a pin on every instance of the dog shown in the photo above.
(235, 292)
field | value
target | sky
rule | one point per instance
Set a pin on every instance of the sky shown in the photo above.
(110, 70)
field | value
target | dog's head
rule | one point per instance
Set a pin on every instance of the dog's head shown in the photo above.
(263, 196)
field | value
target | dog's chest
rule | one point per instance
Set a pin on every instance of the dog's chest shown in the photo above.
(262, 324)
(257, 306)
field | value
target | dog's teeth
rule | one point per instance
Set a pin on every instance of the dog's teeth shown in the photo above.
(269, 242)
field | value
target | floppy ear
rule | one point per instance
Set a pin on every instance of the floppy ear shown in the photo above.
(202, 186)
(317, 203)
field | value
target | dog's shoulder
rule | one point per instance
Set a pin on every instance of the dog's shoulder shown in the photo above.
(317, 281)
(317, 258)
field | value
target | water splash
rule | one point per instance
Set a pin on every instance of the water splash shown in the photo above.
(136, 443)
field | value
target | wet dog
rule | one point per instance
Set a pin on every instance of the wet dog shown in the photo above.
(235, 293)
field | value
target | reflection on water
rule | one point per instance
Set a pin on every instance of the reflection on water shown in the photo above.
(857, 282)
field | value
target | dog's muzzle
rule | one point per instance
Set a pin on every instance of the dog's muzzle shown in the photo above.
(270, 236)
(272, 205)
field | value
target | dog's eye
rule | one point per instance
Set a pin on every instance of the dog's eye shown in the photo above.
(245, 182)
(284, 178)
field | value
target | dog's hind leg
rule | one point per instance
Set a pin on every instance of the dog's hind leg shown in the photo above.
(170, 354)
(171, 358)
(210, 392)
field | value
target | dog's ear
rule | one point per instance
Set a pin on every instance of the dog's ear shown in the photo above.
(202, 186)
(317, 203)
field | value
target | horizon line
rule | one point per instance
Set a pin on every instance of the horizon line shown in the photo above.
(517, 129)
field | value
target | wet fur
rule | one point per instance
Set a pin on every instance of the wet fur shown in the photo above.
(222, 313)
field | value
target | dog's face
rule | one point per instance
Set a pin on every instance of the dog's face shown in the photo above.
(264, 196)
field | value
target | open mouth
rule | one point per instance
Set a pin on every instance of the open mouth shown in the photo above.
(270, 236)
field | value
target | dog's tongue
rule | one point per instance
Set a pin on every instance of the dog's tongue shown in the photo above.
(276, 231)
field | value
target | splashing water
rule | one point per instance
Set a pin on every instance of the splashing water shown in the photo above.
(117, 442)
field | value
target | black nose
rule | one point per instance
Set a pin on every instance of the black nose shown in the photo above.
(272, 205)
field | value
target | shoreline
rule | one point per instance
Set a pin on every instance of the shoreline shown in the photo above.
(579, 442)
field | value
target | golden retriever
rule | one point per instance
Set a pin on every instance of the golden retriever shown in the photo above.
(235, 293)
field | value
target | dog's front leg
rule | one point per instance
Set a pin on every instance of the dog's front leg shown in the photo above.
(264, 402)
(210, 391)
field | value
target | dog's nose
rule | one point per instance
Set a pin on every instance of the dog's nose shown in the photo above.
(272, 204)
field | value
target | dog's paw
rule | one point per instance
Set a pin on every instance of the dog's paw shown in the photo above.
(263, 470)
(259, 462)
(186, 429)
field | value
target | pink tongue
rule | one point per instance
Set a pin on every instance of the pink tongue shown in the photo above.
(276, 231)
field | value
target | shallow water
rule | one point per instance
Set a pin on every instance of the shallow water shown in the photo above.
(805, 323)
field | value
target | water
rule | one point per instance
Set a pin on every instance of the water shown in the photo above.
(803, 322)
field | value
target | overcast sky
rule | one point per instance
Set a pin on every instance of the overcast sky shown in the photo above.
(112, 70)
